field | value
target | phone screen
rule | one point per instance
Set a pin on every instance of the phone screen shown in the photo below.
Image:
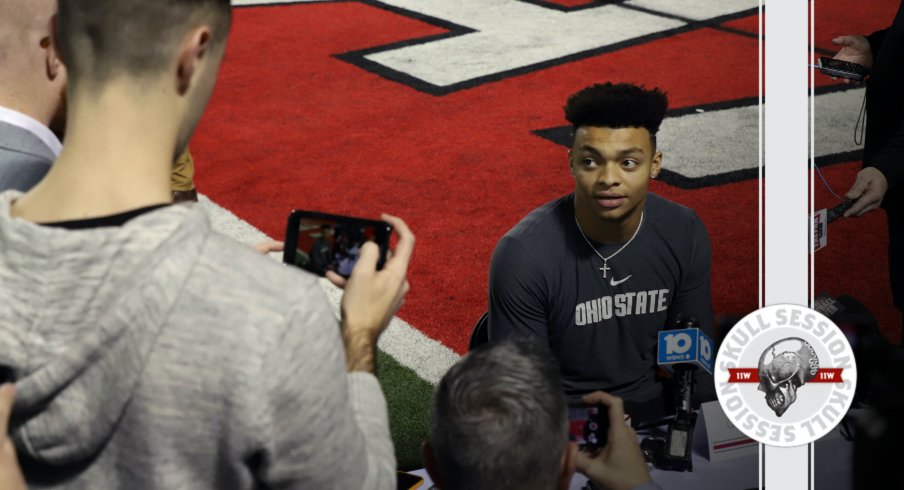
(577, 417)
(320, 242)
(408, 481)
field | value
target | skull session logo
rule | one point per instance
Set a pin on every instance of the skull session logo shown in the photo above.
(785, 375)
(782, 374)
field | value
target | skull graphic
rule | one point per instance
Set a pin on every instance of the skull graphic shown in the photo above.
(784, 367)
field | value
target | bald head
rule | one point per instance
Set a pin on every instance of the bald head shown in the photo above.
(33, 79)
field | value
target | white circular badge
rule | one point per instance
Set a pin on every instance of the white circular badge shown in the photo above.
(785, 375)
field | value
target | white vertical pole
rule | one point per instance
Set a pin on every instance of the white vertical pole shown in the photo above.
(786, 174)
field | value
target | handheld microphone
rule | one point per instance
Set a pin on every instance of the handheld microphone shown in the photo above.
(684, 344)
(683, 349)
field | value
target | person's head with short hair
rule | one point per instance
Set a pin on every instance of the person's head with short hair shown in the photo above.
(615, 106)
(614, 152)
(160, 47)
(500, 420)
(32, 77)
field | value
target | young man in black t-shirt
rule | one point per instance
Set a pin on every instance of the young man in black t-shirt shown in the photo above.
(599, 272)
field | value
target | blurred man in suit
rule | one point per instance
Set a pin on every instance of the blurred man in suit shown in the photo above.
(32, 93)
(879, 183)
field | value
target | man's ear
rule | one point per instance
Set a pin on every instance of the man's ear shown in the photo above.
(428, 457)
(656, 166)
(53, 59)
(569, 464)
(194, 47)
(571, 161)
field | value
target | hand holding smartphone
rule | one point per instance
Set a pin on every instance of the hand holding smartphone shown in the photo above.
(588, 426)
(353, 254)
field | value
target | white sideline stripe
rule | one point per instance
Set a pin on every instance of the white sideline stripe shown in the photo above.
(428, 358)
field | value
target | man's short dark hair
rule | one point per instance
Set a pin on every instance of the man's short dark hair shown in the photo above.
(500, 419)
(100, 39)
(621, 105)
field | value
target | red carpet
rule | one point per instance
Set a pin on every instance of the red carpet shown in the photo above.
(292, 126)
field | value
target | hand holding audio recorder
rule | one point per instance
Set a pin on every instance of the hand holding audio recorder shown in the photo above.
(844, 69)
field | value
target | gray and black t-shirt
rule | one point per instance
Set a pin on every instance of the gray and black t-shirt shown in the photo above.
(545, 281)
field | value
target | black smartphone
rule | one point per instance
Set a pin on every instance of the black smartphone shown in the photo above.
(408, 481)
(843, 69)
(588, 426)
(320, 242)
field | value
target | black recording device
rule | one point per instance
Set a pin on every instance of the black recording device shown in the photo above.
(674, 452)
(679, 438)
(319, 242)
(843, 69)
(839, 210)
(820, 223)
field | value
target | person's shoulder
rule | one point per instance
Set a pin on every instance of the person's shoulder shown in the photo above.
(21, 171)
(665, 212)
(239, 266)
(24, 159)
(543, 220)
(535, 242)
(257, 295)
(20, 144)
(678, 227)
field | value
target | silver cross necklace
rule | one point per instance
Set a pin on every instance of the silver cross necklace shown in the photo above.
(605, 268)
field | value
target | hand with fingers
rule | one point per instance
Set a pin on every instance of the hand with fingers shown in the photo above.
(620, 465)
(268, 246)
(869, 190)
(372, 297)
(10, 473)
(855, 49)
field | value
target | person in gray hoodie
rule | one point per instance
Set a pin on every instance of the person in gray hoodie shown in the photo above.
(148, 351)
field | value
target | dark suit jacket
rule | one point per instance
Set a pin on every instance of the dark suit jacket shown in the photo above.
(884, 145)
(24, 158)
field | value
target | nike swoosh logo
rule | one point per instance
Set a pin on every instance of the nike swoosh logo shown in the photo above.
(613, 282)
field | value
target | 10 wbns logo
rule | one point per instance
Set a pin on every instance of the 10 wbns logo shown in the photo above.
(685, 346)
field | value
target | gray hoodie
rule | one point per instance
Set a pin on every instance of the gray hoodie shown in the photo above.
(160, 354)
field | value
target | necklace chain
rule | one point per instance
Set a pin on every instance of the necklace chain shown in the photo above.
(605, 267)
